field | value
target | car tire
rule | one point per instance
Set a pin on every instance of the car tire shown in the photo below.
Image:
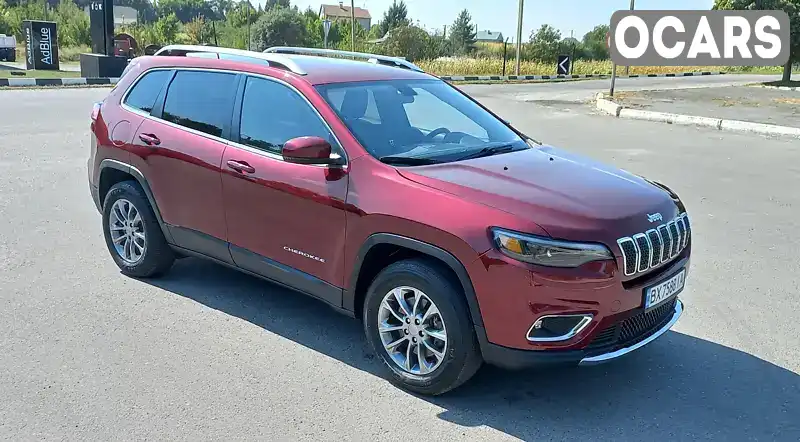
(155, 257)
(461, 357)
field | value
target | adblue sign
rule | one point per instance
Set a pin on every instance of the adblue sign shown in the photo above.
(41, 45)
(700, 38)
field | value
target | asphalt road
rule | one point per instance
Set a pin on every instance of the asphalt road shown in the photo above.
(207, 353)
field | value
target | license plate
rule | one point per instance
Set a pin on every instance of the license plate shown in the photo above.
(654, 296)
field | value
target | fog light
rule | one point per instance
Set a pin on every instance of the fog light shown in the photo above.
(554, 328)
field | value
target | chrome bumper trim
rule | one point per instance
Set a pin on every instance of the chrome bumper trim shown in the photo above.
(605, 357)
(585, 320)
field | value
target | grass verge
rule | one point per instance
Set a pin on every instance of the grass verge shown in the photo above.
(38, 74)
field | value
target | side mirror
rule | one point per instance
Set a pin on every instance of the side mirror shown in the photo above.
(310, 150)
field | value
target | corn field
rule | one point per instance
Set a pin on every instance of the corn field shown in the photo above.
(493, 66)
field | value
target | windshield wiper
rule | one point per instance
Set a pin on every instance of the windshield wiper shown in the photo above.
(488, 151)
(408, 161)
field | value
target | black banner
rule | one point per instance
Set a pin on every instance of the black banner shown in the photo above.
(41, 45)
(101, 26)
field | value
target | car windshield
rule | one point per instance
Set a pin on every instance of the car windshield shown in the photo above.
(413, 122)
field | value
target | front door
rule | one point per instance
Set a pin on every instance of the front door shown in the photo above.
(285, 221)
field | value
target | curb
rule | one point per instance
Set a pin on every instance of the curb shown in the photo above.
(32, 82)
(569, 77)
(619, 111)
(780, 88)
(608, 106)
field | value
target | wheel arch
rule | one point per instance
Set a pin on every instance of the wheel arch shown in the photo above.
(353, 296)
(115, 171)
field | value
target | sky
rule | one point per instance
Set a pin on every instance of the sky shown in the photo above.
(579, 16)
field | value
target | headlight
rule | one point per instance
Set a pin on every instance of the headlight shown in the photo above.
(548, 252)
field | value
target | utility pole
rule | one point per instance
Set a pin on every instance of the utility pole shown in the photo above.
(248, 25)
(353, 22)
(628, 68)
(572, 58)
(445, 32)
(519, 34)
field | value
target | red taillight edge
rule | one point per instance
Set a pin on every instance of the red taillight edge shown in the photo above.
(96, 110)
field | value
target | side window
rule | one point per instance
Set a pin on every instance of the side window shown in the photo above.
(273, 114)
(144, 93)
(201, 100)
(426, 104)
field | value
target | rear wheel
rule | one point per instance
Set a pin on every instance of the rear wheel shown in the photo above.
(416, 319)
(133, 235)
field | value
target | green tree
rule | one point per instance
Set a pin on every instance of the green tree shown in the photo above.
(5, 25)
(73, 25)
(595, 43)
(185, 10)
(463, 34)
(573, 47)
(198, 31)
(221, 7)
(242, 14)
(278, 27)
(395, 16)
(374, 32)
(269, 4)
(791, 7)
(166, 28)
(410, 42)
(545, 44)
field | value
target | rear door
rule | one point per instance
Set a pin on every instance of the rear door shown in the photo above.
(285, 221)
(179, 150)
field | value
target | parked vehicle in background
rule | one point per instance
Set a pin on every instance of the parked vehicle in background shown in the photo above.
(393, 197)
(8, 48)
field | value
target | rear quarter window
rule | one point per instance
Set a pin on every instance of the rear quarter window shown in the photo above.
(143, 93)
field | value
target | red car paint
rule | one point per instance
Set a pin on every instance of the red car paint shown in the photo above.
(275, 208)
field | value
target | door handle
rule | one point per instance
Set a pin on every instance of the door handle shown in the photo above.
(241, 166)
(149, 139)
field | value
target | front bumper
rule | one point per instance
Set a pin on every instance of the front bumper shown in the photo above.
(511, 358)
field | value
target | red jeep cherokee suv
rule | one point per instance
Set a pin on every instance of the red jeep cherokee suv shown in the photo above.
(393, 197)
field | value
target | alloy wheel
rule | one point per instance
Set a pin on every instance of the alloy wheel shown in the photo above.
(127, 231)
(412, 330)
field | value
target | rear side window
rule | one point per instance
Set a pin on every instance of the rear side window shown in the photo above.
(273, 114)
(144, 93)
(201, 101)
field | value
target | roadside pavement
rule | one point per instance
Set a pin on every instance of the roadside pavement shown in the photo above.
(748, 103)
(738, 108)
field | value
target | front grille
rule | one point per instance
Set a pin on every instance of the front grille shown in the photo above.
(606, 337)
(644, 251)
(641, 325)
(634, 329)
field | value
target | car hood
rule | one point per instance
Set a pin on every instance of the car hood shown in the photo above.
(569, 196)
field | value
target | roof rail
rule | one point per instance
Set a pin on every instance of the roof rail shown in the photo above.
(372, 58)
(273, 60)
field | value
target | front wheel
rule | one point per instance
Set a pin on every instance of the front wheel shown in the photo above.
(416, 319)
